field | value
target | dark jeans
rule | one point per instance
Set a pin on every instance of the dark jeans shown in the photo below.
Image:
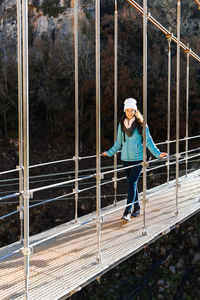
(133, 175)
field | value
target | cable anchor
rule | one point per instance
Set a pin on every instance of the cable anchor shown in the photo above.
(76, 190)
(145, 164)
(76, 158)
(27, 194)
(99, 176)
(114, 179)
(27, 250)
(144, 232)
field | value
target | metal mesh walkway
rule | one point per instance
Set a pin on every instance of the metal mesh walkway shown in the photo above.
(67, 262)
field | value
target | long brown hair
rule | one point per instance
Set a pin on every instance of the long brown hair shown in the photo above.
(138, 119)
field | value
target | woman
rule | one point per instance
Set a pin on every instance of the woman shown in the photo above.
(129, 140)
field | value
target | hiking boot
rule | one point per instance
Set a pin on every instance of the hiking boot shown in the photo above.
(136, 212)
(126, 216)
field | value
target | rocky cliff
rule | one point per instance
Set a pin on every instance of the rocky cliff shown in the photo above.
(49, 19)
(53, 19)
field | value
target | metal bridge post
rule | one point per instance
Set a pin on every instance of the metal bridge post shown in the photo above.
(169, 104)
(26, 251)
(115, 101)
(76, 107)
(98, 132)
(20, 114)
(187, 110)
(144, 111)
(177, 99)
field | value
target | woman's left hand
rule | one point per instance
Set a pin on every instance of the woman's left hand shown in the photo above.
(163, 154)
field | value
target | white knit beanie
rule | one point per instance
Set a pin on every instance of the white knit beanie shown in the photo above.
(130, 103)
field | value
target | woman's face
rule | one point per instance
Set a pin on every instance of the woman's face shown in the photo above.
(130, 113)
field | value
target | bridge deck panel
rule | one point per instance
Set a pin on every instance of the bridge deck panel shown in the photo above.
(65, 263)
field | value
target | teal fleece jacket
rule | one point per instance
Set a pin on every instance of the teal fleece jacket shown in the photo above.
(132, 148)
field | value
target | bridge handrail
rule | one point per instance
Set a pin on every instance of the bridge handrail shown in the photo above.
(9, 196)
(104, 183)
(79, 224)
(63, 160)
(151, 161)
(10, 254)
(85, 157)
(11, 213)
(11, 171)
(163, 29)
(50, 175)
(87, 221)
(180, 140)
(174, 162)
(93, 175)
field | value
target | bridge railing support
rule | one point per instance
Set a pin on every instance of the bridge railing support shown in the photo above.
(169, 105)
(115, 98)
(144, 111)
(76, 158)
(20, 115)
(187, 110)
(98, 132)
(177, 99)
(26, 249)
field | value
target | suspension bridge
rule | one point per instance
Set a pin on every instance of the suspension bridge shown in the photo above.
(58, 262)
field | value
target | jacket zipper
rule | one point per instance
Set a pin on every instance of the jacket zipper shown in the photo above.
(137, 148)
(128, 148)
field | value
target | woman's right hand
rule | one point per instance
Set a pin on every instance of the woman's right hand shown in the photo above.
(104, 153)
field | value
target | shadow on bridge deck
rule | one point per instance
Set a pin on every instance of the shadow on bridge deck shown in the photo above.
(62, 265)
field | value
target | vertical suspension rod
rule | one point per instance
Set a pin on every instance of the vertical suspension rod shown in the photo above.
(177, 99)
(187, 111)
(98, 132)
(115, 99)
(76, 106)
(169, 104)
(20, 114)
(144, 111)
(26, 142)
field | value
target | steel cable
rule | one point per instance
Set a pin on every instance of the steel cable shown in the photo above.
(72, 193)
(85, 157)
